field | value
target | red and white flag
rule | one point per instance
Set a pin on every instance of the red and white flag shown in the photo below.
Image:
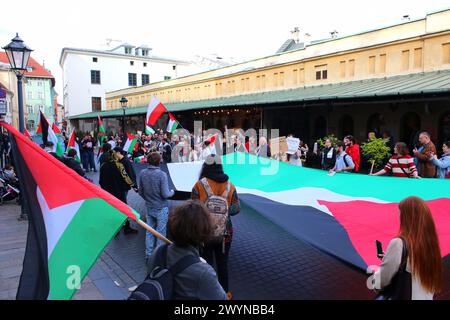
(155, 110)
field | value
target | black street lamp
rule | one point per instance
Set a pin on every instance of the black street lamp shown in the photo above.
(123, 102)
(18, 55)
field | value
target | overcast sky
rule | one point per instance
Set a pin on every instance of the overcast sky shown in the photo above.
(242, 29)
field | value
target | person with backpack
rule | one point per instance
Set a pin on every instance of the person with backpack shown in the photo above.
(442, 164)
(154, 189)
(411, 268)
(220, 197)
(176, 271)
(344, 163)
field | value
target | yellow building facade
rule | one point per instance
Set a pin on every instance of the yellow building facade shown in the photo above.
(417, 46)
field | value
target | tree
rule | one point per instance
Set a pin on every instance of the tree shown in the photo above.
(376, 151)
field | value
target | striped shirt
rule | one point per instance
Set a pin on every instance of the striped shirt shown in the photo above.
(401, 166)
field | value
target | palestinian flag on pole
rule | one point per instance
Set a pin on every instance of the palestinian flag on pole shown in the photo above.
(154, 112)
(130, 143)
(141, 159)
(149, 130)
(172, 125)
(70, 222)
(101, 132)
(341, 215)
(56, 130)
(73, 145)
(47, 133)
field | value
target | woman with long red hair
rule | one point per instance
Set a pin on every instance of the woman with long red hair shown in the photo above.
(424, 261)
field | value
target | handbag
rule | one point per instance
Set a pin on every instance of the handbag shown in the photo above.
(400, 287)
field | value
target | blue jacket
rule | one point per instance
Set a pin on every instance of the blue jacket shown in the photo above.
(154, 187)
(442, 165)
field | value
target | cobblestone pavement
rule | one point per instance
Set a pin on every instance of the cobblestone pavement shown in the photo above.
(266, 262)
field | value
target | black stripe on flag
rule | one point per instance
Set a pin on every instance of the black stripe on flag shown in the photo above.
(44, 127)
(34, 280)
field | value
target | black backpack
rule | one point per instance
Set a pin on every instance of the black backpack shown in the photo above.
(158, 285)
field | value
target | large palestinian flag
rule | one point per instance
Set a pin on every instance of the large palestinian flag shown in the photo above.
(70, 222)
(341, 215)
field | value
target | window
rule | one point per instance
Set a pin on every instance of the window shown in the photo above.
(302, 75)
(95, 76)
(351, 67)
(131, 63)
(418, 58)
(132, 79)
(174, 68)
(405, 60)
(294, 76)
(446, 53)
(128, 50)
(96, 104)
(30, 95)
(145, 52)
(39, 83)
(145, 64)
(94, 59)
(40, 95)
(342, 69)
(167, 77)
(321, 72)
(281, 79)
(382, 63)
(372, 65)
(145, 79)
(29, 109)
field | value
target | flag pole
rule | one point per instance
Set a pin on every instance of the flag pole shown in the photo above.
(153, 231)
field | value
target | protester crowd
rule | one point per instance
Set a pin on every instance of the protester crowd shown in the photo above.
(201, 229)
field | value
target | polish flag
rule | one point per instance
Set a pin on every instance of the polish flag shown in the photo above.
(154, 111)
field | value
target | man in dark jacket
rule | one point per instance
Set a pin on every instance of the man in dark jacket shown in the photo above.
(115, 180)
(105, 148)
(72, 163)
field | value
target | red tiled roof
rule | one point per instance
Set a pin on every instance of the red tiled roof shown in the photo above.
(38, 70)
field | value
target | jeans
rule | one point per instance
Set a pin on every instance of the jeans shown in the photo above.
(88, 160)
(214, 252)
(157, 219)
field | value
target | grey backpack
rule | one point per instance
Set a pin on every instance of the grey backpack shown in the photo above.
(218, 209)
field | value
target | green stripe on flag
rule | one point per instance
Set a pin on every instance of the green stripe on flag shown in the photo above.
(91, 229)
(251, 172)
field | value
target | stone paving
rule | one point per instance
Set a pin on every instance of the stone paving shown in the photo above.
(266, 262)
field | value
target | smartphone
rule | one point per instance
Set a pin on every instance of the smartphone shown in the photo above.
(379, 249)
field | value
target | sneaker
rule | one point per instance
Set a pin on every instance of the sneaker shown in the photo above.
(229, 295)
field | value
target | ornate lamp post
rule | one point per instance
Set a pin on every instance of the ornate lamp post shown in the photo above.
(18, 55)
(123, 102)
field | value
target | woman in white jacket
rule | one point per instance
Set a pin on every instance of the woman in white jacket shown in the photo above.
(424, 260)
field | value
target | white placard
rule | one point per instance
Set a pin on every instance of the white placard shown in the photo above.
(293, 144)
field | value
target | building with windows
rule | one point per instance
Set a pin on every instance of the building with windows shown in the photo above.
(395, 78)
(38, 91)
(89, 74)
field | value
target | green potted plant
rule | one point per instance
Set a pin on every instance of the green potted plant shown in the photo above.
(375, 151)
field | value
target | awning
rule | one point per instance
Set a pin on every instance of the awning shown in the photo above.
(410, 84)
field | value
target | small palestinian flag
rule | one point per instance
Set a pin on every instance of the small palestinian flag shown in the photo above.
(70, 222)
(140, 159)
(154, 112)
(101, 132)
(149, 130)
(56, 130)
(172, 125)
(49, 135)
(73, 145)
(130, 144)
